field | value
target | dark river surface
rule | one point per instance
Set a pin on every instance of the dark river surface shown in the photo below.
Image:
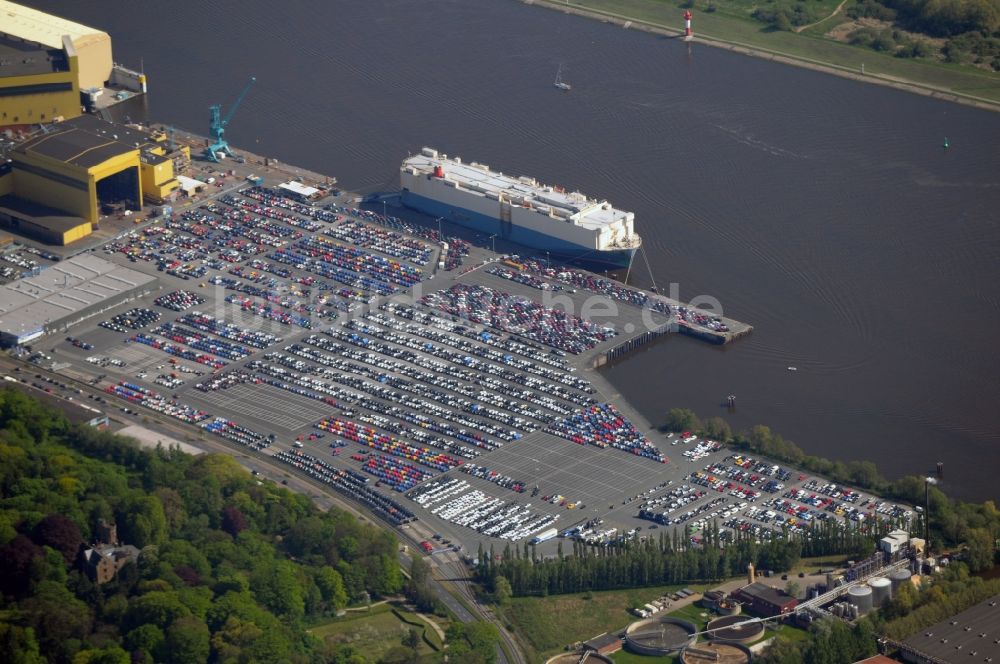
(824, 212)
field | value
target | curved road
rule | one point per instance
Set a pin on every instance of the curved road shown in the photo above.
(447, 568)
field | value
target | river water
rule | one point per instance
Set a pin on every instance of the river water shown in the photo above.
(824, 212)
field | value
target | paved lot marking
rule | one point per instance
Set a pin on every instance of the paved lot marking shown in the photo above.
(268, 404)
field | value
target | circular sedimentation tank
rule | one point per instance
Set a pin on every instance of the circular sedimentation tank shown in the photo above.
(861, 597)
(728, 607)
(735, 629)
(881, 591)
(574, 658)
(716, 653)
(659, 636)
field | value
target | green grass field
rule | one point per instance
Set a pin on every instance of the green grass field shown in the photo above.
(375, 633)
(546, 625)
(732, 25)
(694, 614)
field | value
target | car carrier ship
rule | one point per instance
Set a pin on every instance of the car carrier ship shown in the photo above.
(568, 225)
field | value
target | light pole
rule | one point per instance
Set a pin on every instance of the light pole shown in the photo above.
(547, 266)
(928, 481)
(493, 240)
(384, 215)
(440, 234)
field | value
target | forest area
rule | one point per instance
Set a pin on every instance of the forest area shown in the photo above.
(225, 568)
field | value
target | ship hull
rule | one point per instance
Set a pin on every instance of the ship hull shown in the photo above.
(587, 257)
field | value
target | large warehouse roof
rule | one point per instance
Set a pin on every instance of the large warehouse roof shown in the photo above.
(973, 635)
(84, 142)
(36, 26)
(65, 289)
(20, 59)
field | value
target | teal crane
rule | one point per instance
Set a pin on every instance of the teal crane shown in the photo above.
(217, 126)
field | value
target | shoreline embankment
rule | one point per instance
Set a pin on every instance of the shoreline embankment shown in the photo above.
(775, 56)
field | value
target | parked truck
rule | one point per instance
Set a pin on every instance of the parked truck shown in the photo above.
(544, 535)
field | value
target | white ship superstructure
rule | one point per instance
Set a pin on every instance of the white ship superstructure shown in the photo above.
(519, 209)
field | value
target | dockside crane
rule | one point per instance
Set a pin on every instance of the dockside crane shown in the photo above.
(217, 126)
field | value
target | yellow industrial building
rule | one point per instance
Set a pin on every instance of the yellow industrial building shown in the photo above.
(47, 61)
(60, 183)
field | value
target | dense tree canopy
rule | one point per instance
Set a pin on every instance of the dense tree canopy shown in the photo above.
(216, 580)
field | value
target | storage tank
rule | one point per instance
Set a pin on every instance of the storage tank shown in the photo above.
(881, 591)
(861, 597)
(899, 577)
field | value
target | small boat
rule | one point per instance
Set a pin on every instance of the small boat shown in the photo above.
(792, 369)
(561, 84)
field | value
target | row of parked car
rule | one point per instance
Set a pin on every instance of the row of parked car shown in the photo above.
(509, 313)
(133, 319)
(350, 483)
(453, 500)
(478, 363)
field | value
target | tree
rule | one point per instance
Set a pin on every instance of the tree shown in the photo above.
(16, 560)
(331, 587)
(276, 586)
(412, 639)
(142, 521)
(147, 638)
(233, 521)
(419, 588)
(59, 619)
(18, 645)
(782, 21)
(61, 533)
(156, 607)
(109, 655)
(472, 643)
(792, 588)
(781, 651)
(187, 641)
(682, 419)
(718, 428)
(864, 473)
(235, 640)
(981, 553)
(502, 591)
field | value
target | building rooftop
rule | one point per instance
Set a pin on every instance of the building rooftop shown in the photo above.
(299, 189)
(20, 59)
(971, 636)
(63, 289)
(85, 141)
(576, 207)
(152, 158)
(36, 26)
(766, 593)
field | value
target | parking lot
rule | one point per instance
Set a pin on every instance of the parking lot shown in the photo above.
(462, 397)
